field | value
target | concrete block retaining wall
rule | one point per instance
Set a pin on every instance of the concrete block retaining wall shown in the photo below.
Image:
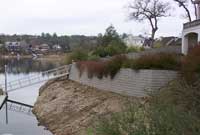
(127, 82)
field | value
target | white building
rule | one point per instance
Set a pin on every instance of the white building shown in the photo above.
(134, 40)
(57, 47)
(191, 32)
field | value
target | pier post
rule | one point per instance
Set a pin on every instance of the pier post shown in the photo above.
(6, 92)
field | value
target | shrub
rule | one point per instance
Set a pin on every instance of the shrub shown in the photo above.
(102, 68)
(115, 47)
(112, 66)
(158, 44)
(100, 51)
(115, 64)
(183, 95)
(158, 119)
(93, 57)
(155, 61)
(76, 55)
(93, 68)
(191, 65)
(134, 49)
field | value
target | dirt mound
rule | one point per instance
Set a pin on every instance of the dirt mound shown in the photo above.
(68, 108)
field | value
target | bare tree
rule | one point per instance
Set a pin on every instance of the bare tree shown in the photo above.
(184, 4)
(150, 10)
(195, 8)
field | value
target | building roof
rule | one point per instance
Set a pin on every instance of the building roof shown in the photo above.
(169, 41)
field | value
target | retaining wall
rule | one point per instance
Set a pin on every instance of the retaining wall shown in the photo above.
(127, 82)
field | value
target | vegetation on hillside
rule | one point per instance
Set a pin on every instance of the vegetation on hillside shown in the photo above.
(111, 67)
(174, 110)
(191, 65)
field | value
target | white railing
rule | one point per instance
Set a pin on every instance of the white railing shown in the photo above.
(19, 109)
(35, 79)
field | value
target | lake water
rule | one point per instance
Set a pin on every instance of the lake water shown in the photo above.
(20, 123)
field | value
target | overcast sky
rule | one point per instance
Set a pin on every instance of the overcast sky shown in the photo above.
(70, 17)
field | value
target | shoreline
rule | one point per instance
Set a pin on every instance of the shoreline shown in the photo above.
(15, 56)
(50, 57)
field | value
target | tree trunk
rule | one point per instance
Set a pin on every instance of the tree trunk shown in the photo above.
(153, 36)
(195, 8)
(188, 13)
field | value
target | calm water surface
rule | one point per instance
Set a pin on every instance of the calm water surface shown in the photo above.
(19, 123)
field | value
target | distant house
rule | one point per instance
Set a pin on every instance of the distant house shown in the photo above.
(44, 47)
(13, 46)
(34, 47)
(16, 46)
(57, 47)
(134, 40)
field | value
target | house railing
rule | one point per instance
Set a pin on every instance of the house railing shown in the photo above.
(191, 24)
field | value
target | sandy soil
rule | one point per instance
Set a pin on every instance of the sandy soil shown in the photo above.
(69, 108)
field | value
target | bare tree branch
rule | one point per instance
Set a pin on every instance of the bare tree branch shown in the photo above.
(150, 10)
(184, 5)
(195, 8)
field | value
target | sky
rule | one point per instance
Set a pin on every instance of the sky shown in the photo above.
(78, 17)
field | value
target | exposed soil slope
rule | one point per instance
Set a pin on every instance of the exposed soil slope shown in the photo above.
(68, 108)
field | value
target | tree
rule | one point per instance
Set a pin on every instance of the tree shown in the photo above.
(195, 8)
(110, 43)
(150, 10)
(110, 35)
(185, 5)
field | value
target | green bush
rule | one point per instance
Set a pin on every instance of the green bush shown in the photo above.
(76, 55)
(101, 52)
(158, 119)
(91, 56)
(115, 64)
(160, 61)
(158, 44)
(134, 49)
(183, 95)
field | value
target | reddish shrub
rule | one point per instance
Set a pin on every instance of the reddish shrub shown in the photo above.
(191, 65)
(93, 68)
(102, 68)
(112, 66)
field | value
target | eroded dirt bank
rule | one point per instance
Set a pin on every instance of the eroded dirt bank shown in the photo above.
(69, 108)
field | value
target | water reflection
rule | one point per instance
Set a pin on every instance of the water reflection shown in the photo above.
(17, 66)
(20, 124)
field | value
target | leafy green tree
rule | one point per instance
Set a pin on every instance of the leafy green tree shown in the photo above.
(110, 35)
(110, 43)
